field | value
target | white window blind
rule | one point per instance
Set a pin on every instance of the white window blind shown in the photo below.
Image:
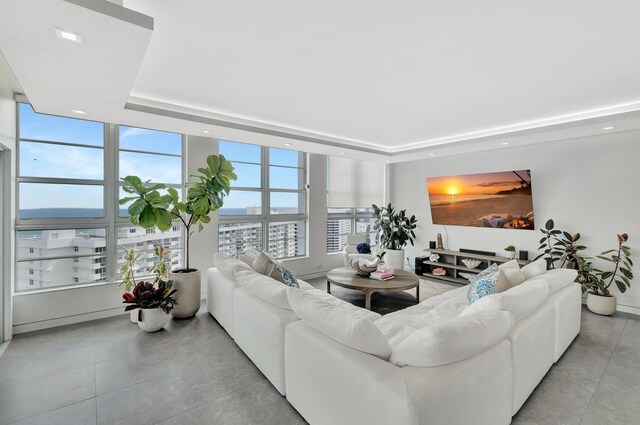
(354, 183)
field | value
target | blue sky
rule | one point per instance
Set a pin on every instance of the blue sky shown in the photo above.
(86, 162)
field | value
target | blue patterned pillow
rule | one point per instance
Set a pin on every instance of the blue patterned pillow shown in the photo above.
(483, 284)
(287, 277)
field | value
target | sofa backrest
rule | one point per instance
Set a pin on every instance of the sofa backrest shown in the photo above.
(521, 300)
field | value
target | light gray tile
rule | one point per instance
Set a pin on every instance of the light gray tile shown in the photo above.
(257, 404)
(82, 413)
(23, 399)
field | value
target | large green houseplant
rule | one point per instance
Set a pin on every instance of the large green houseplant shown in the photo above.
(395, 229)
(152, 209)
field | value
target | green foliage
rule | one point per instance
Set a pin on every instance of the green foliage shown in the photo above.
(510, 248)
(621, 273)
(151, 209)
(394, 228)
(148, 295)
(127, 268)
(559, 247)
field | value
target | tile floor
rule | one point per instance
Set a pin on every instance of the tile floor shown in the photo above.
(110, 372)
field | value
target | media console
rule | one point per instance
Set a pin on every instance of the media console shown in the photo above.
(451, 262)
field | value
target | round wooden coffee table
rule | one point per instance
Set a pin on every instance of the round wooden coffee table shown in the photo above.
(347, 278)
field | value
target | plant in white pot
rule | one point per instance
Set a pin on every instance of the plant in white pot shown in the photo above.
(152, 209)
(510, 251)
(153, 302)
(395, 229)
(599, 298)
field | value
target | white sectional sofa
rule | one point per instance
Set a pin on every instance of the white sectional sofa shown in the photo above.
(439, 362)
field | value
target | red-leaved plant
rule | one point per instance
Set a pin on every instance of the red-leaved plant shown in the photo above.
(147, 295)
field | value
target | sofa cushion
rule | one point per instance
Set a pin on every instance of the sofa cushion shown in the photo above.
(345, 323)
(263, 287)
(559, 278)
(521, 301)
(534, 269)
(453, 340)
(512, 273)
(228, 266)
(489, 281)
(424, 314)
(249, 256)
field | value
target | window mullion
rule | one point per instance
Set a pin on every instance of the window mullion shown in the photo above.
(111, 204)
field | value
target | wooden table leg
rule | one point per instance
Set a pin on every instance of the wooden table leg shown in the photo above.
(418, 293)
(328, 287)
(367, 300)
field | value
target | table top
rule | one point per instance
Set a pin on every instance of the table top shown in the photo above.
(347, 278)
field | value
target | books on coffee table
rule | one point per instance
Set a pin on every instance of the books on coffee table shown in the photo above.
(382, 275)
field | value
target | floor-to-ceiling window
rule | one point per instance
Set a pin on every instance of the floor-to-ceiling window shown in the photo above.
(266, 208)
(70, 228)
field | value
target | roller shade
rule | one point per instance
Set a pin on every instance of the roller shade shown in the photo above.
(353, 184)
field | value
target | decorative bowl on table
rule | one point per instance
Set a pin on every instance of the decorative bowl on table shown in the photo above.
(363, 264)
(439, 271)
(472, 264)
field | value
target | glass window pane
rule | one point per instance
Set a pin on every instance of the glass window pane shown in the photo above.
(287, 239)
(60, 242)
(337, 231)
(235, 238)
(242, 202)
(248, 175)
(144, 240)
(60, 161)
(59, 129)
(47, 200)
(234, 151)
(142, 139)
(365, 225)
(286, 178)
(157, 168)
(285, 157)
(340, 211)
(287, 203)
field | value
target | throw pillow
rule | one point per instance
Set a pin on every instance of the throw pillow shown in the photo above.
(484, 284)
(267, 265)
(512, 273)
(249, 256)
(534, 269)
(288, 278)
(227, 265)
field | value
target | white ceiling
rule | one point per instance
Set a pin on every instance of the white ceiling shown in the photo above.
(375, 79)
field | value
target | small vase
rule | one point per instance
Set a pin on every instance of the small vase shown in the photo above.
(152, 319)
(133, 315)
(510, 254)
(602, 305)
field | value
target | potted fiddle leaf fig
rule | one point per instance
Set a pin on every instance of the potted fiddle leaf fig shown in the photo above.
(152, 209)
(395, 229)
(599, 298)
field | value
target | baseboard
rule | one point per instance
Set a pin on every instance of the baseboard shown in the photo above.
(629, 309)
(68, 320)
(314, 275)
(3, 346)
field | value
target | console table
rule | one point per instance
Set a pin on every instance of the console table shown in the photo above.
(451, 261)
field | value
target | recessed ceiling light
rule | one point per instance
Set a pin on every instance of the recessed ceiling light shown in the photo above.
(288, 144)
(68, 35)
(505, 143)
(206, 131)
(79, 112)
(388, 160)
(609, 127)
(341, 153)
(432, 154)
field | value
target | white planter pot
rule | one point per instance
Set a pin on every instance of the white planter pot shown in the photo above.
(394, 258)
(152, 319)
(133, 315)
(510, 254)
(188, 294)
(598, 304)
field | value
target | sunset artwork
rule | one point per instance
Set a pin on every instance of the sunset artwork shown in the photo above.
(500, 200)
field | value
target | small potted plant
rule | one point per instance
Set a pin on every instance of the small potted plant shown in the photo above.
(127, 273)
(154, 302)
(599, 298)
(395, 229)
(510, 251)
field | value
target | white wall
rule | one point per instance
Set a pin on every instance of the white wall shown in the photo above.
(587, 185)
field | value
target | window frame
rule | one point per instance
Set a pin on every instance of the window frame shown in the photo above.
(111, 221)
(266, 217)
(354, 215)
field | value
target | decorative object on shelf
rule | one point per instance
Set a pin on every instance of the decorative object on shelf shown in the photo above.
(599, 298)
(471, 263)
(363, 248)
(523, 255)
(432, 244)
(154, 302)
(150, 209)
(510, 251)
(439, 239)
(394, 229)
(434, 257)
(439, 271)
(363, 264)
